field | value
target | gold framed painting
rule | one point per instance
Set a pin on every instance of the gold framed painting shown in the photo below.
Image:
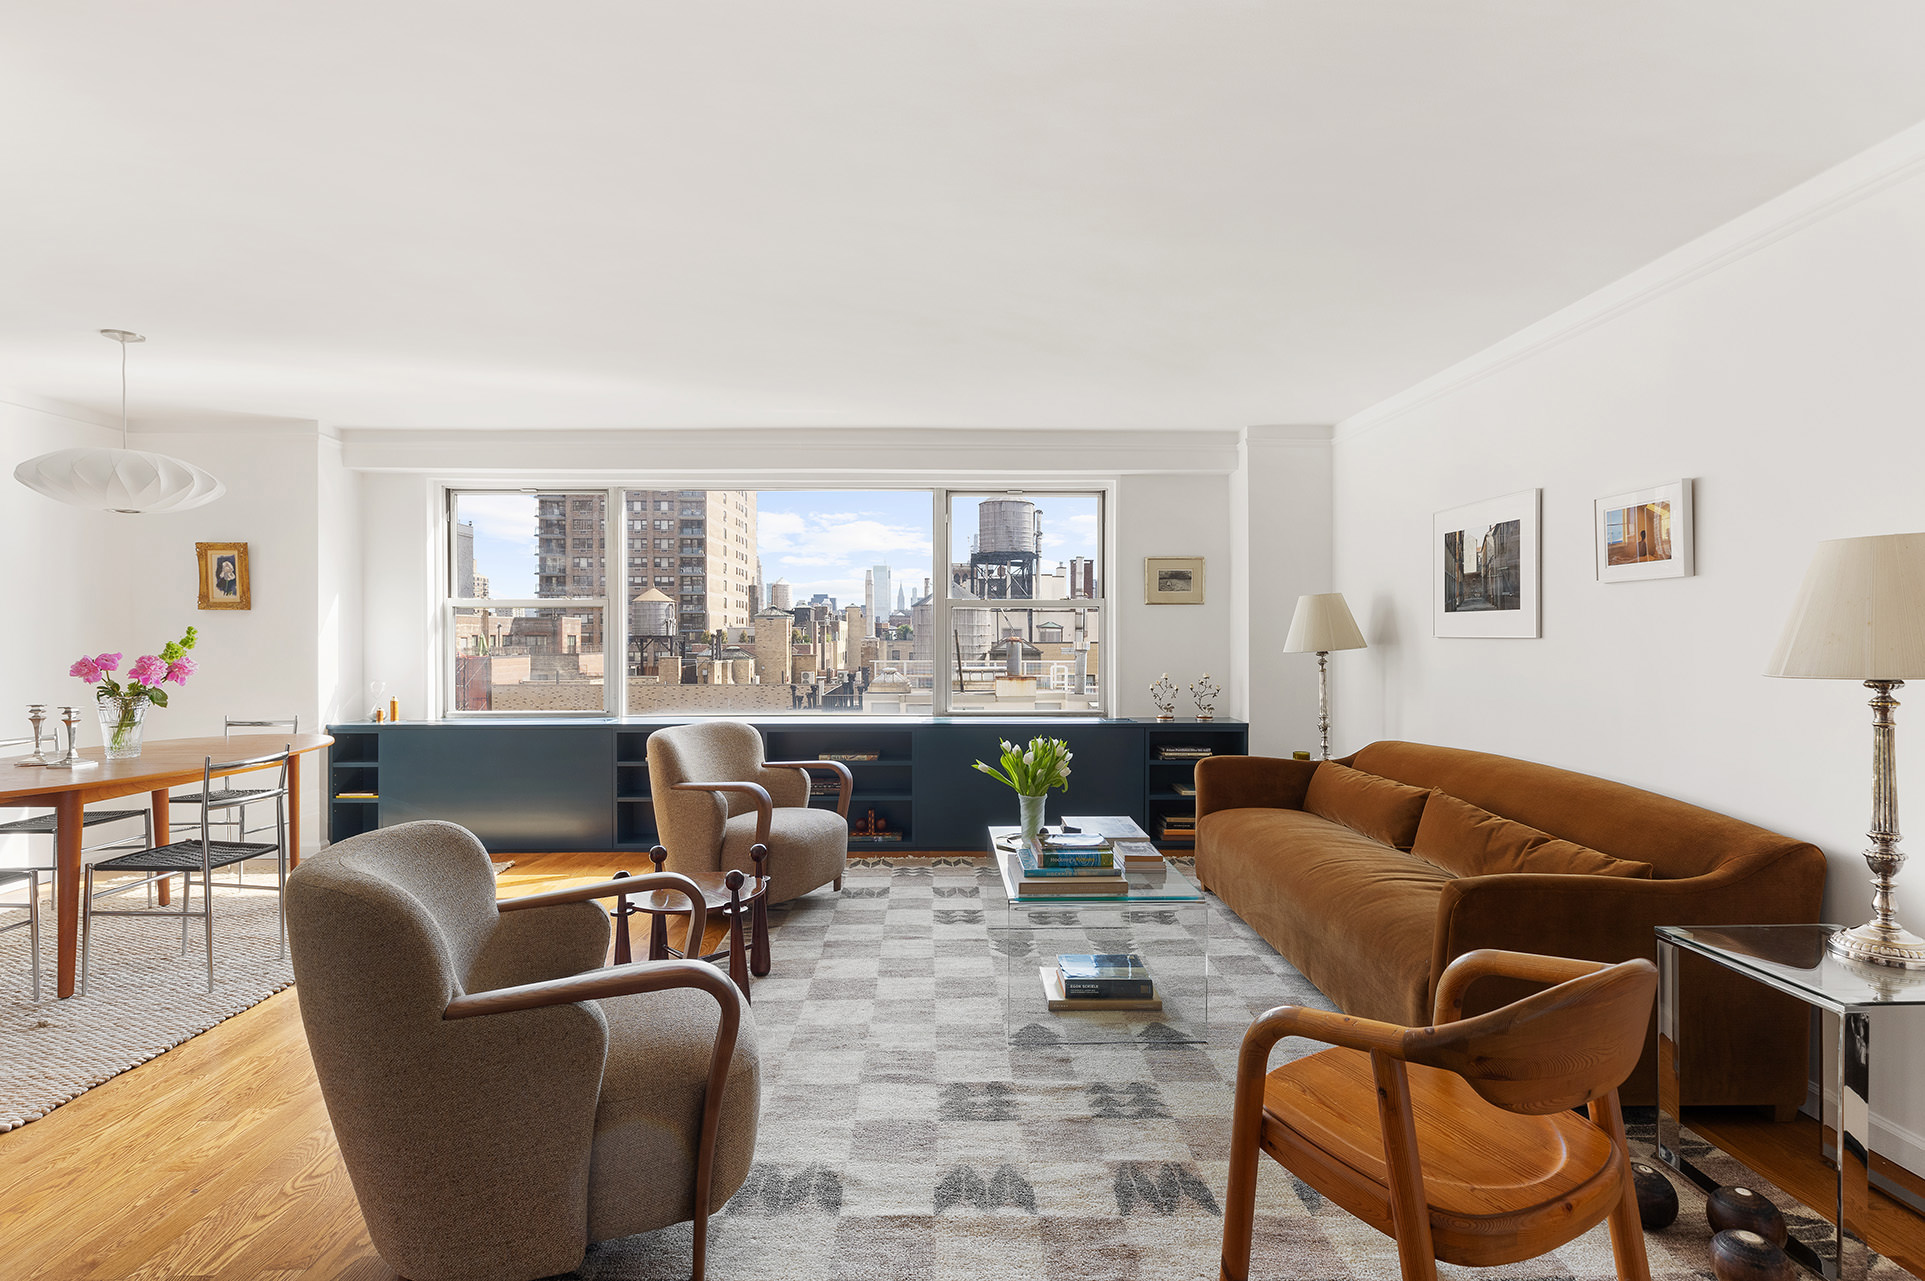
(1173, 580)
(223, 569)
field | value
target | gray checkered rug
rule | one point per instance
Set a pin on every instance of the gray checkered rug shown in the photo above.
(904, 1135)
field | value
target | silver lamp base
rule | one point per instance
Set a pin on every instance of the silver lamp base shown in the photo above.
(1876, 944)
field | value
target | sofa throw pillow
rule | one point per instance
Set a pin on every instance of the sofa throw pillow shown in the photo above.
(1380, 808)
(1470, 841)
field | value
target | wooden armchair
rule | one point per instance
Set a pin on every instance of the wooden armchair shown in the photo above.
(1458, 1139)
(717, 801)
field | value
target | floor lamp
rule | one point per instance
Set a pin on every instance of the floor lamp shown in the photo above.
(1322, 623)
(1860, 616)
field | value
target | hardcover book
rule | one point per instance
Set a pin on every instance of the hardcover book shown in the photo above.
(1117, 974)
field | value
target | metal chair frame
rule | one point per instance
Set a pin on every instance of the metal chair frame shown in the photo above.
(292, 724)
(31, 875)
(43, 825)
(153, 863)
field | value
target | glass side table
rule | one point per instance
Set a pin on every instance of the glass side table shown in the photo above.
(1163, 917)
(1793, 960)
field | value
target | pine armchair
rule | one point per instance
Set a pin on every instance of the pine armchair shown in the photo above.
(501, 1098)
(1458, 1139)
(716, 800)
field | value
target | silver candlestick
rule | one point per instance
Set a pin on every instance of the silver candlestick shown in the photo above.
(37, 713)
(70, 716)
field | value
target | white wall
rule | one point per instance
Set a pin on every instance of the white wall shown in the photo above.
(1282, 535)
(1778, 362)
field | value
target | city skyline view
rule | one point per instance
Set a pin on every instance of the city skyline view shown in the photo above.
(820, 541)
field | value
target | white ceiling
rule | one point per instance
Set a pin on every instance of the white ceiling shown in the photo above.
(1106, 213)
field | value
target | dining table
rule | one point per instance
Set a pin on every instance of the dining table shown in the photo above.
(162, 764)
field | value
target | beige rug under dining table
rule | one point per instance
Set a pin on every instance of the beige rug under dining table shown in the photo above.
(162, 764)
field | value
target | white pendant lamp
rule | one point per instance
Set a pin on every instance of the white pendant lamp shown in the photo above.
(124, 480)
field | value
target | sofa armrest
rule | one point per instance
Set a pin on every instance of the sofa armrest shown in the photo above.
(1251, 782)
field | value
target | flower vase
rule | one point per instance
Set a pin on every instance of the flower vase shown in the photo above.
(120, 721)
(1031, 808)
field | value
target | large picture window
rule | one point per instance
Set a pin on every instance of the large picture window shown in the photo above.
(638, 601)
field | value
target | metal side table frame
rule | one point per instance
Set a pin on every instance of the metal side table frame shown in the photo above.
(1793, 959)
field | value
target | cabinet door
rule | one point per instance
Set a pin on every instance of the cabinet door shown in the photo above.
(955, 803)
(520, 788)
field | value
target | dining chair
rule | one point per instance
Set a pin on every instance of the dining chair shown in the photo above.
(44, 825)
(31, 877)
(200, 854)
(1458, 1140)
(234, 801)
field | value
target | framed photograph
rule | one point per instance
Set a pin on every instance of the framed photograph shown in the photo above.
(223, 575)
(1645, 533)
(1173, 580)
(1484, 562)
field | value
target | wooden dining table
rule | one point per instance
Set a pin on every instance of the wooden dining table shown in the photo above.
(162, 764)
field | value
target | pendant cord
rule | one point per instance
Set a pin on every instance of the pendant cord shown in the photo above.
(123, 394)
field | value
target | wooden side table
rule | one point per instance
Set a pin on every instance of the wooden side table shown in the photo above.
(732, 895)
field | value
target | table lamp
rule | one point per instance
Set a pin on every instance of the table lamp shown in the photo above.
(1860, 616)
(1322, 623)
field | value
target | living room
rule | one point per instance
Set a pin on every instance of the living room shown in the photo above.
(1275, 290)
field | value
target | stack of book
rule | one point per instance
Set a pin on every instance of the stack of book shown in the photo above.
(1054, 863)
(1181, 752)
(1108, 981)
(1179, 827)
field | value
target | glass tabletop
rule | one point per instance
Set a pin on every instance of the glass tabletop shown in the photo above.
(1793, 958)
(1163, 883)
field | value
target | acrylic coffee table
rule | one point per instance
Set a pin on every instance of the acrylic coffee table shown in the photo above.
(1163, 917)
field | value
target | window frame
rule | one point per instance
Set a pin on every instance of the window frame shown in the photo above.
(616, 545)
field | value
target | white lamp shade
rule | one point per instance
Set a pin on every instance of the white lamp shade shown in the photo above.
(1860, 614)
(1322, 623)
(119, 480)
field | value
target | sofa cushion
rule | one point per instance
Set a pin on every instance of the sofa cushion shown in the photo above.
(1380, 808)
(1470, 841)
(1356, 918)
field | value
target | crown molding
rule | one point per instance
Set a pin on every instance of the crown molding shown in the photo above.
(1898, 159)
(58, 409)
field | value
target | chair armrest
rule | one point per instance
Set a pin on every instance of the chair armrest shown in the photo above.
(764, 806)
(620, 889)
(616, 980)
(1317, 1025)
(1487, 962)
(1251, 782)
(848, 779)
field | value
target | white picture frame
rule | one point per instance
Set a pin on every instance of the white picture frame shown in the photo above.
(1645, 533)
(1485, 560)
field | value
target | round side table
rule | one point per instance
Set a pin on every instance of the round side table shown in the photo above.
(739, 899)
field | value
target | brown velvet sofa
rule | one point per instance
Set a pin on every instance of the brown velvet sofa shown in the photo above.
(1373, 925)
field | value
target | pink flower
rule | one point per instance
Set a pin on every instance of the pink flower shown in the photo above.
(147, 670)
(86, 669)
(108, 662)
(179, 670)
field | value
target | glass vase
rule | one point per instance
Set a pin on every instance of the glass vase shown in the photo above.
(1031, 808)
(120, 721)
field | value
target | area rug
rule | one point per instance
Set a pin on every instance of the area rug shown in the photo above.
(903, 1137)
(143, 995)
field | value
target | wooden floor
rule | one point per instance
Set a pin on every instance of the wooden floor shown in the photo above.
(216, 1160)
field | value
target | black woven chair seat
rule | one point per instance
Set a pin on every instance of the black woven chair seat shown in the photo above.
(221, 796)
(185, 856)
(43, 825)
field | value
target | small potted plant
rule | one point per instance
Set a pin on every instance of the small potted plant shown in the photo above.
(122, 708)
(1032, 771)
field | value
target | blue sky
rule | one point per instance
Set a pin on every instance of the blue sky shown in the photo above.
(819, 540)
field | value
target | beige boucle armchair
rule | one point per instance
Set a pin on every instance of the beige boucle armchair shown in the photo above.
(502, 1099)
(716, 799)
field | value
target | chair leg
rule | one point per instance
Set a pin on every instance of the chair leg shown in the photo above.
(1246, 1132)
(186, 894)
(1409, 1211)
(86, 932)
(1627, 1230)
(281, 899)
(33, 929)
(207, 914)
(836, 885)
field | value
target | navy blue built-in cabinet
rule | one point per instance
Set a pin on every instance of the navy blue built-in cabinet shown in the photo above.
(582, 785)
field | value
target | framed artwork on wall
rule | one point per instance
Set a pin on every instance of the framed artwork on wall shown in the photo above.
(1645, 533)
(1173, 580)
(1484, 566)
(223, 568)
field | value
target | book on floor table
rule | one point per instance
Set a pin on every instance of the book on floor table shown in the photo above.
(1105, 974)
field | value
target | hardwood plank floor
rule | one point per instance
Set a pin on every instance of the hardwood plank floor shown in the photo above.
(216, 1162)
